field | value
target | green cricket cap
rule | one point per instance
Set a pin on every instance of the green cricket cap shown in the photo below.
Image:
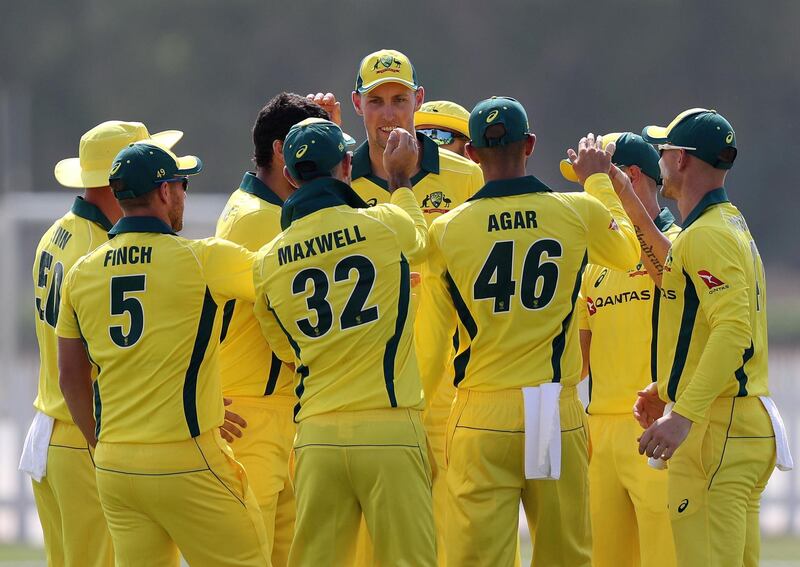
(498, 110)
(631, 150)
(142, 167)
(316, 146)
(704, 133)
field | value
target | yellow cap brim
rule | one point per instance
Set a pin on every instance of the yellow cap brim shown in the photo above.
(442, 120)
(655, 134)
(368, 87)
(567, 171)
(188, 165)
(69, 173)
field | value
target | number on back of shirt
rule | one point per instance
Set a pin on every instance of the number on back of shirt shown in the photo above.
(126, 304)
(539, 275)
(354, 313)
(47, 309)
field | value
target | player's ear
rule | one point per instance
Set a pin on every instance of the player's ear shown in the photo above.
(289, 178)
(356, 98)
(277, 151)
(472, 153)
(635, 173)
(530, 144)
(347, 167)
(683, 160)
(419, 98)
(163, 193)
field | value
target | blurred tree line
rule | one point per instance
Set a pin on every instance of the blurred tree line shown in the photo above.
(206, 67)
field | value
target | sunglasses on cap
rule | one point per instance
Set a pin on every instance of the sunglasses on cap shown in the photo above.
(662, 147)
(184, 181)
(442, 137)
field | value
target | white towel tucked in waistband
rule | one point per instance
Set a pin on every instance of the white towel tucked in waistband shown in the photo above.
(542, 431)
(784, 460)
(34, 453)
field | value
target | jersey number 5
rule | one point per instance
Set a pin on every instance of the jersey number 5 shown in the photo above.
(539, 275)
(354, 313)
(121, 304)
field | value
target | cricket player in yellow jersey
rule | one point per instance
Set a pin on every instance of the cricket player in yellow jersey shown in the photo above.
(446, 123)
(332, 295)
(387, 94)
(506, 266)
(712, 355)
(143, 310)
(253, 377)
(617, 312)
(56, 453)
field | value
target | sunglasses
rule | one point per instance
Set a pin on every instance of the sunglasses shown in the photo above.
(183, 180)
(442, 137)
(662, 147)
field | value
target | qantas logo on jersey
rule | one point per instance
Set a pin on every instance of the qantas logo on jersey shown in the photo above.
(713, 283)
(616, 299)
(710, 279)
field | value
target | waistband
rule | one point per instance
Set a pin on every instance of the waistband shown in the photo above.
(392, 426)
(67, 434)
(568, 394)
(264, 402)
(154, 459)
(741, 417)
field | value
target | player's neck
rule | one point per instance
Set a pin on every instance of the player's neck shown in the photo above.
(499, 172)
(103, 199)
(274, 179)
(696, 188)
(648, 195)
(376, 161)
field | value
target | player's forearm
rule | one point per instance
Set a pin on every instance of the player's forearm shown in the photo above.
(626, 251)
(652, 241)
(721, 358)
(75, 381)
(406, 200)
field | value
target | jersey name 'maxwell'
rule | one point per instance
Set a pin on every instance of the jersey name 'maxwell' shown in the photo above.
(319, 244)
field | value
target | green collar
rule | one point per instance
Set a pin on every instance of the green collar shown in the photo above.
(140, 224)
(509, 187)
(321, 193)
(664, 220)
(253, 185)
(362, 167)
(711, 198)
(86, 210)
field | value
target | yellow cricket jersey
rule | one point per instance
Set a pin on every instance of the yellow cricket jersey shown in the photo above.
(712, 324)
(507, 265)
(445, 179)
(332, 294)
(78, 232)
(620, 308)
(147, 304)
(251, 218)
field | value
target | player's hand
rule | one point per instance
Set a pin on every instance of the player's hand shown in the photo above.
(591, 158)
(400, 158)
(230, 429)
(662, 439)
(620, 181)
(416, 279)
(329, 104)
(648, 407)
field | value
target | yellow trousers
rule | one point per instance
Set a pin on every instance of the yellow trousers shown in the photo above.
(716, 478)
(74, 528)
(486, 482)
(373, 462)
(189, 495)
(628, 498)
(264, 450)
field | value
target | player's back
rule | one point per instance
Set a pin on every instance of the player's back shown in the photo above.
(512, 259)
(337, 280)
(78, 232)
(147, 305)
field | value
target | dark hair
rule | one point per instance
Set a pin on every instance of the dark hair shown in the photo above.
(276, 118)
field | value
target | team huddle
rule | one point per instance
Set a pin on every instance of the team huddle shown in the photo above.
(375, 359)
